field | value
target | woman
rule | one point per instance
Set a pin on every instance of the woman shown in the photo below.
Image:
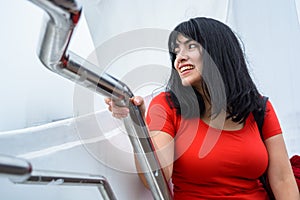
(202, 126)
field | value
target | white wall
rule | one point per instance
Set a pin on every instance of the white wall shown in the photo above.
(30, 93)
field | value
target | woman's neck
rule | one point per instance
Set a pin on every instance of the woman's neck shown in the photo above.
(220, 121)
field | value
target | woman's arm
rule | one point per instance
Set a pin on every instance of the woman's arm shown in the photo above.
(280, 174)
(164, 149)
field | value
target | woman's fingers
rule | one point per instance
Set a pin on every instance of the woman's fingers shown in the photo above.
(119, 116)
(139, 101)
(108, 101)
(122, 112)
(117, 111)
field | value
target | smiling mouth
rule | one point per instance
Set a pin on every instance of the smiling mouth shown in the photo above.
(185, 68)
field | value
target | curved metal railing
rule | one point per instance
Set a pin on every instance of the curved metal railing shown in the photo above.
(20, 171)
(63, 15)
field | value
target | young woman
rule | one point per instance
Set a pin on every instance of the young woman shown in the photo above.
(202, 126)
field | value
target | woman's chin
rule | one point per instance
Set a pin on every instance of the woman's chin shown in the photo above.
(185, 83)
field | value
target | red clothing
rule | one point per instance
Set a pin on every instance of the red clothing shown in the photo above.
(295, 161)
(211, 163)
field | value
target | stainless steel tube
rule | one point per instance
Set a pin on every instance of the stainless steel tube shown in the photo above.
(20, 171)
(72, 179)
(63, 16)
(143, 149)
(14, 168)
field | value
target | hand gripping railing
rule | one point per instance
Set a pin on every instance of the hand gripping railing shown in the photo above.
(20, 171)
(63, 17)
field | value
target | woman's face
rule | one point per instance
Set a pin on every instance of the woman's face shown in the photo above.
(188, 62)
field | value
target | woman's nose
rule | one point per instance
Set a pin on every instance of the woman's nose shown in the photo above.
(181, 56)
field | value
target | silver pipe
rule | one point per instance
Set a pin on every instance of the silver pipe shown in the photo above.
(143, 149)
(72, 179)
(63, 16)
(20, 171)
(14, 168)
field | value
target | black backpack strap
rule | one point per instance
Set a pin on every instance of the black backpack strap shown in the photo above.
(259, 116)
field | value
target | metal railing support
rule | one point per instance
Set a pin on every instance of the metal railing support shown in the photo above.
(63, 15)
(20, 171)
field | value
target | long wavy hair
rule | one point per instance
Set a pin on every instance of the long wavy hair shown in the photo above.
(226, 81)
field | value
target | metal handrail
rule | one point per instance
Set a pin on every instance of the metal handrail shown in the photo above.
(63, 15)
(20, 171)
(14, 168)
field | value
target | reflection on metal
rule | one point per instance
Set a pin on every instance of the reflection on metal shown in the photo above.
(14, 168)
(19, 171)
(63, 16)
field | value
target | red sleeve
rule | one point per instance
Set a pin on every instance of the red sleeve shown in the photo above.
(271, 124)
(160, 117)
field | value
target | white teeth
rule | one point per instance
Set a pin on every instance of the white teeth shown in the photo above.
(182, 69)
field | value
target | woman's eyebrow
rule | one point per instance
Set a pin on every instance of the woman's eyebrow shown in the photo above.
(185, 42)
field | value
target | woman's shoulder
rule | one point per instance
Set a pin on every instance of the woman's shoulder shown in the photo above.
(269, 108)
(161, 97)
(271, 125)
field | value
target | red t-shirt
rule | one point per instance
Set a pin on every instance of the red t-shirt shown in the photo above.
(211, 163)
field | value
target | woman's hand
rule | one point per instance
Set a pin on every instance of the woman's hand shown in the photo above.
(122, 111)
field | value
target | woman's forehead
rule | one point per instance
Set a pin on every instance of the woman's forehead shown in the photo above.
(181, 39)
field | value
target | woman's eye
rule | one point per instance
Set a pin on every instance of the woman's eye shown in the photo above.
(192, 46)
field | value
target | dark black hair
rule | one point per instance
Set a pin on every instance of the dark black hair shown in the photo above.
(226, 81)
